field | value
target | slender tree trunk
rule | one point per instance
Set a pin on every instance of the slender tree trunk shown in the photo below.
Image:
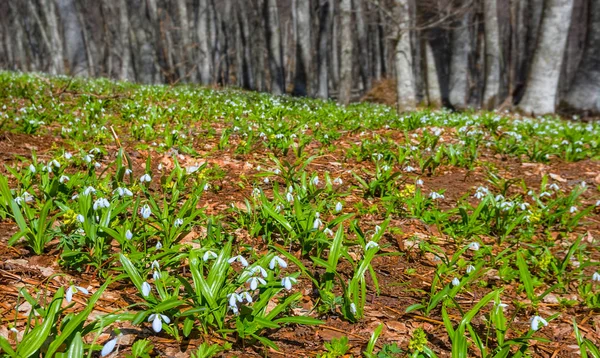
(346, 40)
(459, 68)
(73, 42)
(405, 82)
(434, 94)
(492, 55)
(584, 93)
(87, 41)
(187, 61)
(323, 53)
(363, 44)
(203, 42)
(302, 79)
(56, 43)
(542, 88)
(274, 46)
(125, 72)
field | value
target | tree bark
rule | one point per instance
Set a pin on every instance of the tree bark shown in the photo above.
(125, 72)
(492, 55)
(323, 53)
(203, 42)
(346, 40)
(275, 50)
(363, 44)
(302, 78)
(542, 87)
(405, 83)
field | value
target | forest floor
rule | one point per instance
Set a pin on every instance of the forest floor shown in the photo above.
(537, 254)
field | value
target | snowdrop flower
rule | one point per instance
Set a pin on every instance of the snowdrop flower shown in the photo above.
(474, 246)
(538, 322)
(156, 275)
(572, 209)
(109, 346)
(371, 244)
(596, 276)
(123, 192)
(101, 203)
(598, 203)
(435, 196)
(246, 296)
(158, 245)
(419, 182)
(68, 155)
(206, 187)
(18, 200)
(455, 282)
(128, 234)
(63, 179)
(328, 231)
(74, 289)
(289, 197)
(317, 223)
(266, 180)
(338, 207)
(146, 178)
(352, 308)
(315, 181)
(545, 194)
(32, 168)
(80, 218)
(258, 269)
(277, 261)
(209, 255)
(145, 211)
(277, 171)
(337, 181)
(128, 171)
(409, 169)
(157, 320)
(234, 298)
(88, 158)
(178, 222)
(287, 282)
(146, 288)
(554, 187)
(481, 192)
(97, 165)
(240, 259)
(470, 269)
(55, 163)
(254, 281)
(377, 229)
(89, 190)
(155, 265)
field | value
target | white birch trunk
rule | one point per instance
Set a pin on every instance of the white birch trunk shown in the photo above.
(346, 40)
(203, 42)
(492, 54)
(405, 81)
(434, 93)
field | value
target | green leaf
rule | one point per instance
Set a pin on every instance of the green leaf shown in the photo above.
(76, 347)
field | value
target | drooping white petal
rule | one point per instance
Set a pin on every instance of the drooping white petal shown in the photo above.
(146, 288)
(157, 324)
(108, 347)
(69, 294)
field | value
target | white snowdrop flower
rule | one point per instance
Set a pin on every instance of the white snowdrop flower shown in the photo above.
(317, 223)
(409, 169)
(101, 203)
(94, 151)
(178, 222)
(583, 184)
(246, 296)
(80, 218)
(146, 178)
(353, 308)
(598, 203)
(145, 211)
(206, 187)
(538, 322)
(266, 180)
(68, 155)
(157, 320)
(596, 276)
(523, 206)
(385, 167)
(158, 245)
(377, 229)
(18, 200)
(554, 187)
(160, 166)
(435, 196)
(315, 180)
(55, 163)
(290, 189)
(289, 197)
(63, 179)
(209, 255)
(97, 165)
(419, 182)
(128, 234)
(328, 231)
(455, 282)
(572, 209)
(287, 282)
(256, 192)
(474, 246)
(75, 196)
(73, 290)
(258, 269)
(277, 171)
(240, 259)
(156, 275)
(277, 261)
(378, 156)
(128, 171)
(338, 207)
(109, 346)
(123, 192)
(499, 197)
(89, 190)
(88, 158)
(191, 169)
(470, 269)
(32, 168)
(545, 194)
(234, 298)
(146, 288)
(337, 181)
(155, 265)
(254, 281)
(371, 244)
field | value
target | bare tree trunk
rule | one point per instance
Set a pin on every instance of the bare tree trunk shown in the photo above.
(73, 42)
(323, 53)
(302, 78)
(188, 65)
(56, 43)
(585, 89)
(87, 42)
(125, 73)
(459, 68)
(542, 88)
(405, 82)
(492, 55)
(273, 35)
(203, 42)
(334, 46)
(363, 42)
(346, 39)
